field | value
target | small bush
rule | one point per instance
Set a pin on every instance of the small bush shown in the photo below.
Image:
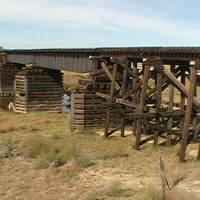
(9, 148)
(56, 136)
(150, 193)
(37, 146)
(83, 162)
(115, 190)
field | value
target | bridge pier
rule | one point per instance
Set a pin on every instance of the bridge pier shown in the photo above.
(38, 89)
(7, 76)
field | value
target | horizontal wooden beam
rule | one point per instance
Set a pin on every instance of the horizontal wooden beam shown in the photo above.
(101, 71)
(102, 95)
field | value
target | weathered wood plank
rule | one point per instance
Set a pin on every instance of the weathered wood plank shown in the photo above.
(110, 75)
(142, 104)
(188, 114)
(111, 98)
(158, 104)
(124, 65)
(170, 108)
(124, 90)
(162, 70)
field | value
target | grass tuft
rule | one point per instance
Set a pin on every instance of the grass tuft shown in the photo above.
(37, 146)
(150, 193)
(56, 136)
(115, 190)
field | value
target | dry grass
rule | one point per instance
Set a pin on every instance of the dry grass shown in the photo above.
(115, 189)
(70, 80)
(150, 192)
(83, 159)
(53, 163)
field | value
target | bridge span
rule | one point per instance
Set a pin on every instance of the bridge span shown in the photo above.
(77, 60)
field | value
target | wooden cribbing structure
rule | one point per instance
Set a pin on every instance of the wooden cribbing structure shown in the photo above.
(162, 95)
(38, 89)
(89, 111)
(7, 76)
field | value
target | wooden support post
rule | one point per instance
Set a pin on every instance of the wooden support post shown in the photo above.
(188, 114)
(112, 90)
(170, 109)
(142, 104)
(195, 120)
(95, 65)
(182, 101)
(124, 89)
(134, 82)
(165, 184)
(72, 113)
(26, 94)
(15, 89)
(158, 103)
(2, 58)
(198, 156)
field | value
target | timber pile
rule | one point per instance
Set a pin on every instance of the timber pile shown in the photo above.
(38, 89)
(7, 76)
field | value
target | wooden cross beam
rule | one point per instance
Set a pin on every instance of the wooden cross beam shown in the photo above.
(123, 63)
(171, 77)
(105, 68)
(101, 71)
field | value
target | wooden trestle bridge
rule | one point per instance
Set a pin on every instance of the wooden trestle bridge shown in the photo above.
(158, 85)
(163, 98)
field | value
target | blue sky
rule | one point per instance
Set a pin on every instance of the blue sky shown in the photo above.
(103, 23)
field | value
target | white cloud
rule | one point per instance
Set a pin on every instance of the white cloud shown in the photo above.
(103, 15)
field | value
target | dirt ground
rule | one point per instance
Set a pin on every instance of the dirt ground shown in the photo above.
(130, 174)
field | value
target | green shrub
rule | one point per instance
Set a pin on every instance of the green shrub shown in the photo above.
(44, 160)
(83, 161)
(9, 148)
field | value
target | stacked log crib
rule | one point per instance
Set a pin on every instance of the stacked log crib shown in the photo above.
(38, 89)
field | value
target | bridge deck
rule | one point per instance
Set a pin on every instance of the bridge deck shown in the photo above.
(77, 60)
